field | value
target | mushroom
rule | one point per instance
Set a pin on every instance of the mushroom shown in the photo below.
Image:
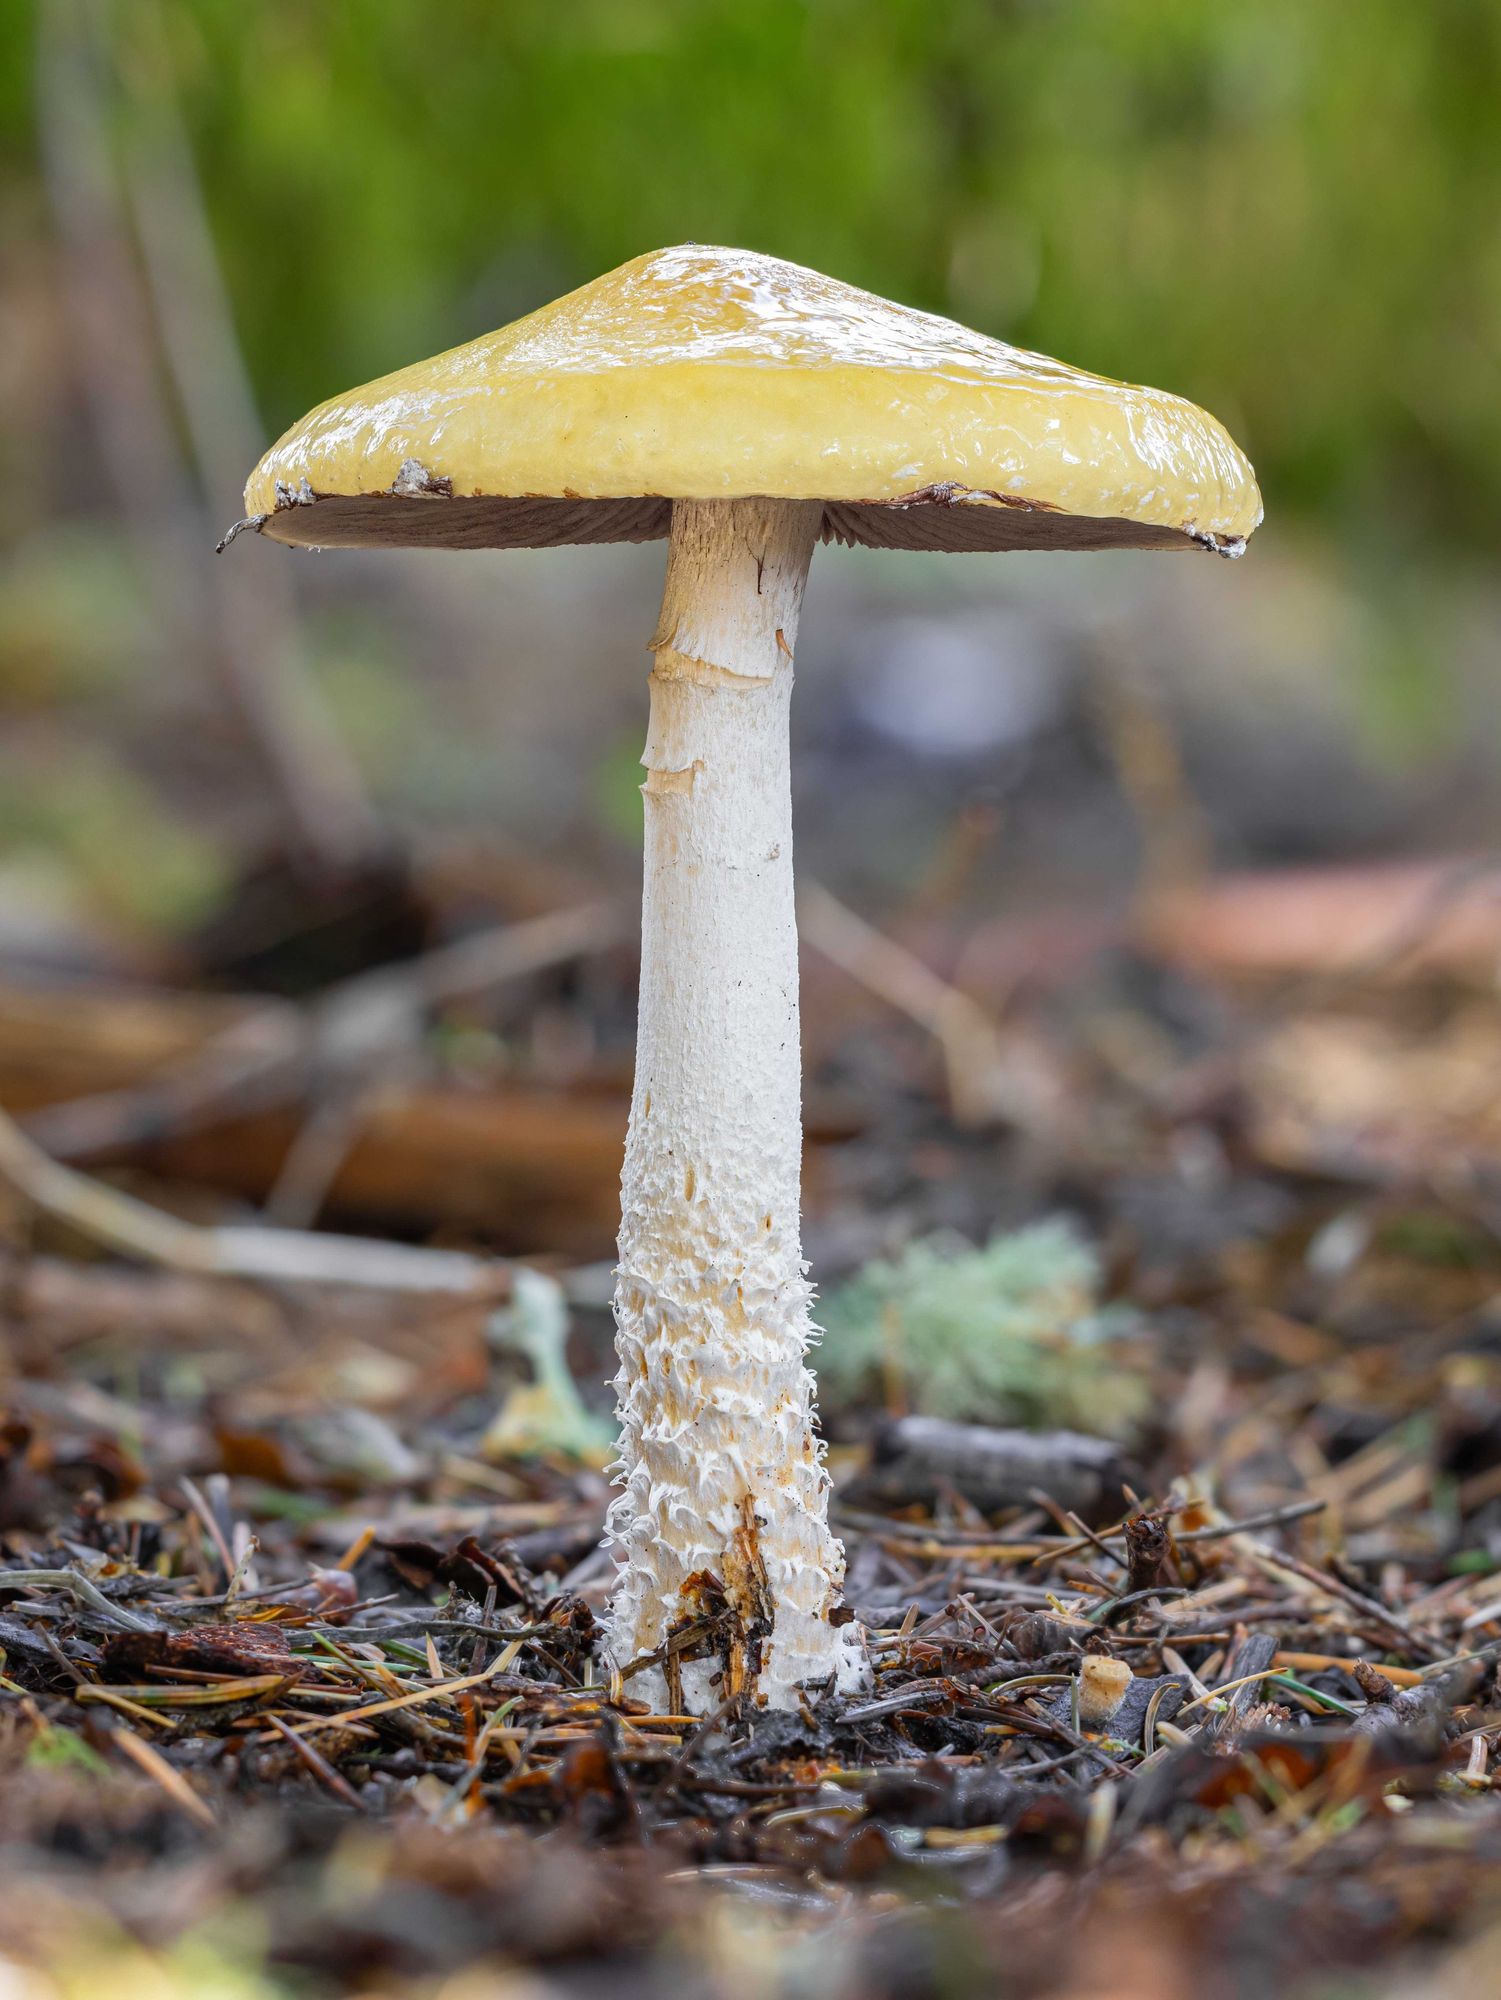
(1103, 1685)
(744, 409)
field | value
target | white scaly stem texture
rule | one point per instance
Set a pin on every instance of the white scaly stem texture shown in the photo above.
(720, 1473)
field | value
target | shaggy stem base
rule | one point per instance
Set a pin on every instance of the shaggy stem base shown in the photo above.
(724, 1498)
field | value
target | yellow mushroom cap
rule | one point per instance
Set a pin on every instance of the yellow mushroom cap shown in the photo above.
(700, 373)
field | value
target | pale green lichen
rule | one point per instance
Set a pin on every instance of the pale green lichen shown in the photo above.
(1013, 1332)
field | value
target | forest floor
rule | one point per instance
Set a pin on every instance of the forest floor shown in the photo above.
(300, 1689)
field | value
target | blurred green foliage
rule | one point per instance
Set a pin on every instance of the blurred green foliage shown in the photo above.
(61, 1749)
(1288, 210)
(85, 818)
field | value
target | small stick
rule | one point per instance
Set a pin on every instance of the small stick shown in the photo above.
(1274, 1517)
(356, 1549)
(1368, 1607)
(146, 1757)
(685, 1756)
(316, 1156)
(1312, 1663)
(286, 1256)
(350, 1030)
(319, 1765)
(439, 1693)
(75, 1582)
(208, 1520)
(974, 1064)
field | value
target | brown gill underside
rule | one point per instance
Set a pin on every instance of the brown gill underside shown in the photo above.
(937, 518)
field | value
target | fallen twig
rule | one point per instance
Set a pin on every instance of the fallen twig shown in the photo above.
(276, 1256)
(319, 1765)
(146, 1757)
(980, 1086)
(279, 1053)
(79, 1586)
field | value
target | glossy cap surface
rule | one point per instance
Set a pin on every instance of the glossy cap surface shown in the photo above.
(703, 373)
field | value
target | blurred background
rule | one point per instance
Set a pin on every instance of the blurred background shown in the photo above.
(1151, 919)
(267, 772)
